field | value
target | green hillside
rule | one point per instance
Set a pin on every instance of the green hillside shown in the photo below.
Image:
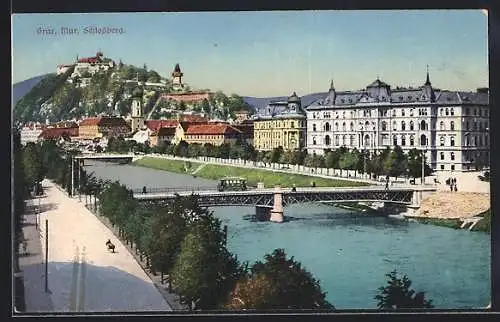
(60, 97)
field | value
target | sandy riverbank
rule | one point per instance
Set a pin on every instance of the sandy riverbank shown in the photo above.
(453, 205)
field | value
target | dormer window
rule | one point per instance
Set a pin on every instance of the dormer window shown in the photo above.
(342, 100)
(410, 97)
(401, 98)
(423, 97)
(350, 100)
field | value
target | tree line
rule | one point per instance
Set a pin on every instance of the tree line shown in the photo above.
(393, 162)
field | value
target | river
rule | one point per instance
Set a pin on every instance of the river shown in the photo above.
(348, 252)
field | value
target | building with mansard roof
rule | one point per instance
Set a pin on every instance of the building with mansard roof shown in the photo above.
(284, 126)
(450, 127)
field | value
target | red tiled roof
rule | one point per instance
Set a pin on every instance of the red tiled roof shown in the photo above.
(90, 121)
(89, 60)
(108, 121)
(211, 129)
(51, 133)
(155, 125)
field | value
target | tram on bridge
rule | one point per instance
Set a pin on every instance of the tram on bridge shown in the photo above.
(232, 184)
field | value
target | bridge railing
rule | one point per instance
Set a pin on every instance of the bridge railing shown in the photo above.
(154, 190)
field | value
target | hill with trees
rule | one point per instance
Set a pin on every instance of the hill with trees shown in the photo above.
(109, 92)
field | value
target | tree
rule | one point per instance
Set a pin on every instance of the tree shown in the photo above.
(204, 271)
(20, 191)
(223, 150)
(251, 293)
(283, 283)
(399, 162)
(32, 164)
(181, 149)
(276, 154)
(397, 294)
(205, 106)
(414, 164)
(346, 161)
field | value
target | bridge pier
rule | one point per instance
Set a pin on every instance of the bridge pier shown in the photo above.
(417, 198)
(277, 210)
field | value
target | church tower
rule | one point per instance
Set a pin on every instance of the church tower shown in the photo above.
(137, 113)
(177, 78)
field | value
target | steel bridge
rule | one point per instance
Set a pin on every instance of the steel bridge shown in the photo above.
(266, 197)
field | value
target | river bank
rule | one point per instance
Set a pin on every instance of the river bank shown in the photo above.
(253, 176)
(450, 209)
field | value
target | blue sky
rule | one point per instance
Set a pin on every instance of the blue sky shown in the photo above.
(272, 53)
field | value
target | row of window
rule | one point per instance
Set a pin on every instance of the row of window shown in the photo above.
(342, 140)
(443, 111)
(279, 124)
(197, 136)
(478, 126)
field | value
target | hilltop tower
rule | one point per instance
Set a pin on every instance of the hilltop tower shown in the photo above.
(177, 78)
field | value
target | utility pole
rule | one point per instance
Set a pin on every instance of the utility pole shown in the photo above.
(46, 255)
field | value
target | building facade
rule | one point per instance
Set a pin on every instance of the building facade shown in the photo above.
(286, 129)
(449, 127)
(137, 117)
(215, 134)
(162, 135)
(30, 132)
(100, 127)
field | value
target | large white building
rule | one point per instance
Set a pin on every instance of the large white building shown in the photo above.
(450, 127)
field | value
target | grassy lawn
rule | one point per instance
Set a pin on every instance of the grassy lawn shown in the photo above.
(270, 178)
(176, 166)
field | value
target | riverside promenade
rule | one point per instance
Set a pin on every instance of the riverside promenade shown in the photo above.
(83, 276)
